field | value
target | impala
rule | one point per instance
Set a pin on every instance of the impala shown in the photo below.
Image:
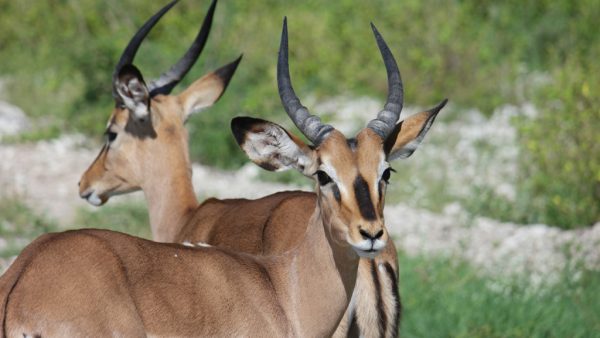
(160, 167)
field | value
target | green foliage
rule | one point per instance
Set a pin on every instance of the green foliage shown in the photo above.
(561, 154)
(58, 58)
(131, 218)
(442, 298)
(60, 55)
(19, 225)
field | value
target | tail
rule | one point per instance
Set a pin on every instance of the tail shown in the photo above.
(11, 277)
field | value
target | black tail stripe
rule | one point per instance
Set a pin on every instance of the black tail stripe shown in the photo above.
(380, 305)
(398, 305)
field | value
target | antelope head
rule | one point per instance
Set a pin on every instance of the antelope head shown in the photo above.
(352, 173)
(147, 123)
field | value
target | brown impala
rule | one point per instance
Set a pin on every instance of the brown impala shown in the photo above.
(160, 167)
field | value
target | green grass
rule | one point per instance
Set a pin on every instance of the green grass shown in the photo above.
(130, 218)
(19, 225)
(443, 298)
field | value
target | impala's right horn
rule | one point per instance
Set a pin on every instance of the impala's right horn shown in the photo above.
(308, 124)
(387, 118)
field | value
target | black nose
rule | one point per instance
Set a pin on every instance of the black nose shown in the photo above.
(367, 235)
(85, 197)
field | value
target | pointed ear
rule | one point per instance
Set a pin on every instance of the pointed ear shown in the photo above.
(132, 91)
(271, 147)
(207, 90)
(409, 133)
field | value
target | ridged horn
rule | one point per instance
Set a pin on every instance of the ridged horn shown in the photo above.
(308, 124)
(387, 118)
(168, 80)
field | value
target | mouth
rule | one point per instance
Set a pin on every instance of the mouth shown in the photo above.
(93, 199)
(368, 248)
(369, 253)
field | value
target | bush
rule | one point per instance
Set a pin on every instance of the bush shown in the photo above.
(560, 157)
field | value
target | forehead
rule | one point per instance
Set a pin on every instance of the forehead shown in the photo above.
(163, 105)
(347, 157)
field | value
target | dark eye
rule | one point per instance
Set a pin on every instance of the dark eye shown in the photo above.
(110, 136)
(386, 175)
(323, 178)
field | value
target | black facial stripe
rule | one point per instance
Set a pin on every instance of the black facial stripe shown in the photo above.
(380, 306)
(397, 304)
(363, 198)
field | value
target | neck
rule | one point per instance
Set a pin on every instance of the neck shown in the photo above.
(171, 201)
(317, 279)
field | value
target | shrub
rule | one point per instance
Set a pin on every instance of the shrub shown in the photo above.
(560, 157)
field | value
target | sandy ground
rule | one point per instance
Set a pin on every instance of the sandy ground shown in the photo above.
(45, 176)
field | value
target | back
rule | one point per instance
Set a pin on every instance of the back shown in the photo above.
(269, 225)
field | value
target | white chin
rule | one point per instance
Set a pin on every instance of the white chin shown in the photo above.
(367, 254)
(94, 200)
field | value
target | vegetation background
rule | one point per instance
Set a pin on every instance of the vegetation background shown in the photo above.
(57, 59)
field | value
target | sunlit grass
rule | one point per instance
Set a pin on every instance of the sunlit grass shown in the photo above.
(443, 298)
(19, 225)
(130, 218)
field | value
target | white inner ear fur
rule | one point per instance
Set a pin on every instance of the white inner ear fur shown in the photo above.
(406, 150)
(275, 147)
(201, 99)
(135, 97)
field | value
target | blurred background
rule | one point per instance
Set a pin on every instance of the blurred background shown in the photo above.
(496, 215)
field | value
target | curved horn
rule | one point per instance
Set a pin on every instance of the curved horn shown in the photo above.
(168, 80)
(308, 124)
(131, 49)
(387, 118)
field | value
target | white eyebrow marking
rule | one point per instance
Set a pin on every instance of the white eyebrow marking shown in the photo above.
(329, 170)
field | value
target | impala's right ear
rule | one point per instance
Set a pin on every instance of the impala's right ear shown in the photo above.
(204, 92)
(271, 147)
(132, 91)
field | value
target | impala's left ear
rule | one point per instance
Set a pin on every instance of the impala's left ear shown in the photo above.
(133, 92)
(409, 133)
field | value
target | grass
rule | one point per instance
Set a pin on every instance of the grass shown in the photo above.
(443, 298)
(19, 224)
(130, 218)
